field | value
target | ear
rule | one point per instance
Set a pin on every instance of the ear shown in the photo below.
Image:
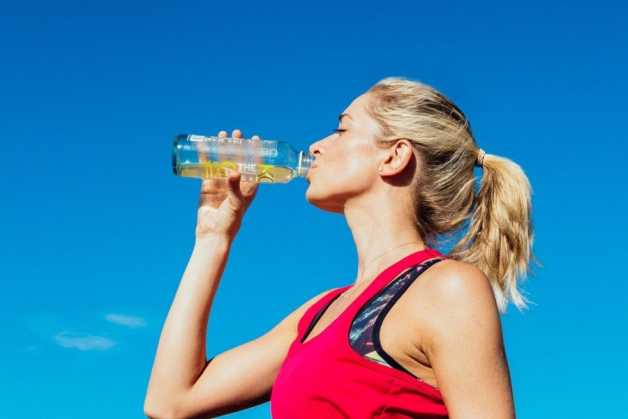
(396, 158)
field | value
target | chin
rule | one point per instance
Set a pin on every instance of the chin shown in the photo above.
(323, 202)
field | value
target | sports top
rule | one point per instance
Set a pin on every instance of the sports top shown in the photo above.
(343, 372)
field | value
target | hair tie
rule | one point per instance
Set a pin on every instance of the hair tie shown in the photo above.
(480, 158)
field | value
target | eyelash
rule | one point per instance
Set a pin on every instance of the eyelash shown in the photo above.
(338, 131)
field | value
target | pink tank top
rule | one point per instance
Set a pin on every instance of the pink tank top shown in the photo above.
(327, 377)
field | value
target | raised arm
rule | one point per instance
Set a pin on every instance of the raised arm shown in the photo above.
(182, 383)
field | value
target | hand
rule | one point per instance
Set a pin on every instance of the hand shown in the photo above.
(223, 202)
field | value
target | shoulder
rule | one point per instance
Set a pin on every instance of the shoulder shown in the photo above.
(291, 321)
(452, 298)
(462, 340)
(455, 282)
(316, 298)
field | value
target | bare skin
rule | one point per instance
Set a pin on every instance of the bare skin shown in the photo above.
(445, 328)
(452, 307)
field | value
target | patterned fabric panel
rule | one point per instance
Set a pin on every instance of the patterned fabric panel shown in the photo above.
(361, 335)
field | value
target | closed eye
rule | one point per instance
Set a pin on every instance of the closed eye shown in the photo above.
(338, 130)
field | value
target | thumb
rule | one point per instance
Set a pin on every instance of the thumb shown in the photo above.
(234, 194)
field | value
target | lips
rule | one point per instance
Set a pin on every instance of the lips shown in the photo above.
(309, 172)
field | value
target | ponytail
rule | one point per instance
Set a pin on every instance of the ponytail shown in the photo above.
(500, 235)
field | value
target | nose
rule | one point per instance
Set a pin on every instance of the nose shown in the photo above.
(316, 146)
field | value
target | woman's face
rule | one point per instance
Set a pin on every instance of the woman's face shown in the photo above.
(346, 161)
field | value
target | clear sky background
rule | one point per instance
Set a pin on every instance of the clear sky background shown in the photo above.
(96, 230)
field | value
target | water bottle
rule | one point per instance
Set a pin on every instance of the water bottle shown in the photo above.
(262, 161)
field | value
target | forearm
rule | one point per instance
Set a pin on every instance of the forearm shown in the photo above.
(181, 352)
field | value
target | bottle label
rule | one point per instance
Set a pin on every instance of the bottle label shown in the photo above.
(269, 148)
(264, 148)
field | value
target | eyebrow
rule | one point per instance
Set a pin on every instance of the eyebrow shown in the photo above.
(343, 115)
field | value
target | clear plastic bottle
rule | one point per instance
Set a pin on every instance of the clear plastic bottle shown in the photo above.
(262, 161)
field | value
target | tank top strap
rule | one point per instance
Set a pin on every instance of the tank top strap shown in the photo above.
(364, 335)
(395, 270)
(384, 278)
(316, 308)
(380, 281)
(321, 377)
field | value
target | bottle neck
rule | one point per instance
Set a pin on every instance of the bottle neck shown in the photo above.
(304, 163)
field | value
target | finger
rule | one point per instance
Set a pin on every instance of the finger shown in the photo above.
(251, 187)
(213, 192)
(209, 167)
(214, 186)
(203, 153)
(249, 191)
(221, 159)
(237, 134)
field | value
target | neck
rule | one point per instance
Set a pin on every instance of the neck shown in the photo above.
(382, 235)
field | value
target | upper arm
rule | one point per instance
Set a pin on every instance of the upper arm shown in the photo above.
(243, 376)
(465, 346)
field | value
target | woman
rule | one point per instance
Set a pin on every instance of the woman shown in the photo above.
(400, 169)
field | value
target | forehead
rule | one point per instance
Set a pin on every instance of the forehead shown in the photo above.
(357, 107)
(360, 119)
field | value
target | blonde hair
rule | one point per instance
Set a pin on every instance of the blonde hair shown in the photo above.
(500, 231)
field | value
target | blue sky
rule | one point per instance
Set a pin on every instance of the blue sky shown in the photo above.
(96, 230)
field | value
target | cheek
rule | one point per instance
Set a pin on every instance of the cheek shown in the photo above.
(340, 180)
(358, 167)
(355, 176)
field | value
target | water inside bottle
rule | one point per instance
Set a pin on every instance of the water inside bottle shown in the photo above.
(252, 172)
